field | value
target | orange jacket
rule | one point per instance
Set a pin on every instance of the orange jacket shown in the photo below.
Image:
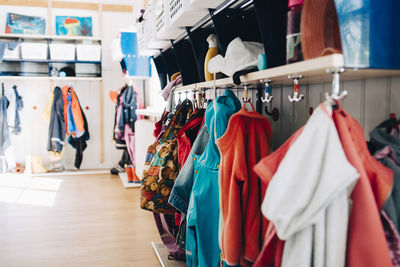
(76, 110)
(244, 143)
(367, 244)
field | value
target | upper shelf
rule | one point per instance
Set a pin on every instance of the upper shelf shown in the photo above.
(312, 70)
(45, 78)
(47, 37)
(149, 112)
(51, 61)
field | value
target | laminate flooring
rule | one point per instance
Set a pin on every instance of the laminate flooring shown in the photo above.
(88, 220)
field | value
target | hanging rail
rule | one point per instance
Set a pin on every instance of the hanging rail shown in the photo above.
(313, 71)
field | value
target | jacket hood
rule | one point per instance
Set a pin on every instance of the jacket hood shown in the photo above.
(227, 104)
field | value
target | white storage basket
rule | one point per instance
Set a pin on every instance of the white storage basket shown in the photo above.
(164, 28)
(150, 17)
(142, 41)
(62, 51)
(34, 51)
(183, 14)
(88, 52)
(12, 54)
(206, 3)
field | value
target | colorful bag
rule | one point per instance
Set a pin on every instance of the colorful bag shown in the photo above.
(161, 166)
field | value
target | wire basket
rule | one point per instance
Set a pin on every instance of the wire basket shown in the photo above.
(164, 28)
(206, 3)
(150, 18)
(182, 14)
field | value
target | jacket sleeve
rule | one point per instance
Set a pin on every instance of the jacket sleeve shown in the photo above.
(179, 197)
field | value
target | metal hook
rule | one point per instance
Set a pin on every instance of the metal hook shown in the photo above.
(268, 94)
(296, 89)
(246, 94)
(274, 114)
(336, 94)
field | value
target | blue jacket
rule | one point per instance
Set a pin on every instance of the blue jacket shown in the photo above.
(180, 194)
(4, 133)
(203, 212)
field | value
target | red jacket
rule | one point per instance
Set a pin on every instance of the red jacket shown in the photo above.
(76, 110)
(244, 143)
(366, 239)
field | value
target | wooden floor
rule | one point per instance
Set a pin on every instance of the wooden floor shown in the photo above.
(88, 220)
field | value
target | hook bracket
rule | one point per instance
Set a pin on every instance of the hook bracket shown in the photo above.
(268, 93)
(336, 94)
(296, 97)
(246, 98)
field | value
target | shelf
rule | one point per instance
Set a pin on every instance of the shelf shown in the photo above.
(13, 78)
(149, 112)
(124, 179)
(162, 254)
(313, 71)
(51, 61)
(49, 37)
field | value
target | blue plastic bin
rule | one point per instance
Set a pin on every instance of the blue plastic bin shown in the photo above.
(370, 33)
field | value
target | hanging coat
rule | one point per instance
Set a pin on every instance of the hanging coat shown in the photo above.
(73, 117)
(118, 135)
(308, 197)
(129, 105)
(245, 142)
(369, 196)
(19, 104)
(5, 142)
(79, 143)
(203, 211)
(57, 124)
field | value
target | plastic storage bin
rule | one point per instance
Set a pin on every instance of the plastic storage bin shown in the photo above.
(198, 39)
(33, 51)
(369, 32)
(232, 23)
(183, 14)
(272, 18)
(206, 3)
(12, 54)
(150, 27)
(164, 28)
(161, 70)
(86, 52)
(142, 41)
(62, 51)
(186, 62)
(170, 62)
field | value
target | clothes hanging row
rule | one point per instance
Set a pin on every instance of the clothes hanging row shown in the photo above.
(67, 117)
(312, 202)
(127, 100)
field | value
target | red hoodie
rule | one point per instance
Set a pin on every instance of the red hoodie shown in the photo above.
(244, 143)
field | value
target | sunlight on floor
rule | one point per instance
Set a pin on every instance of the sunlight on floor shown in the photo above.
(22, 189)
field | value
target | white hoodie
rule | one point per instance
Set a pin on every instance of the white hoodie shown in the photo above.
(308, 197)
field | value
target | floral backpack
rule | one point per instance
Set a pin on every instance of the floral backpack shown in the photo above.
(161, 166)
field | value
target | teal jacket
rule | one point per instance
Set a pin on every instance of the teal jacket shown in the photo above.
(202, 248)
